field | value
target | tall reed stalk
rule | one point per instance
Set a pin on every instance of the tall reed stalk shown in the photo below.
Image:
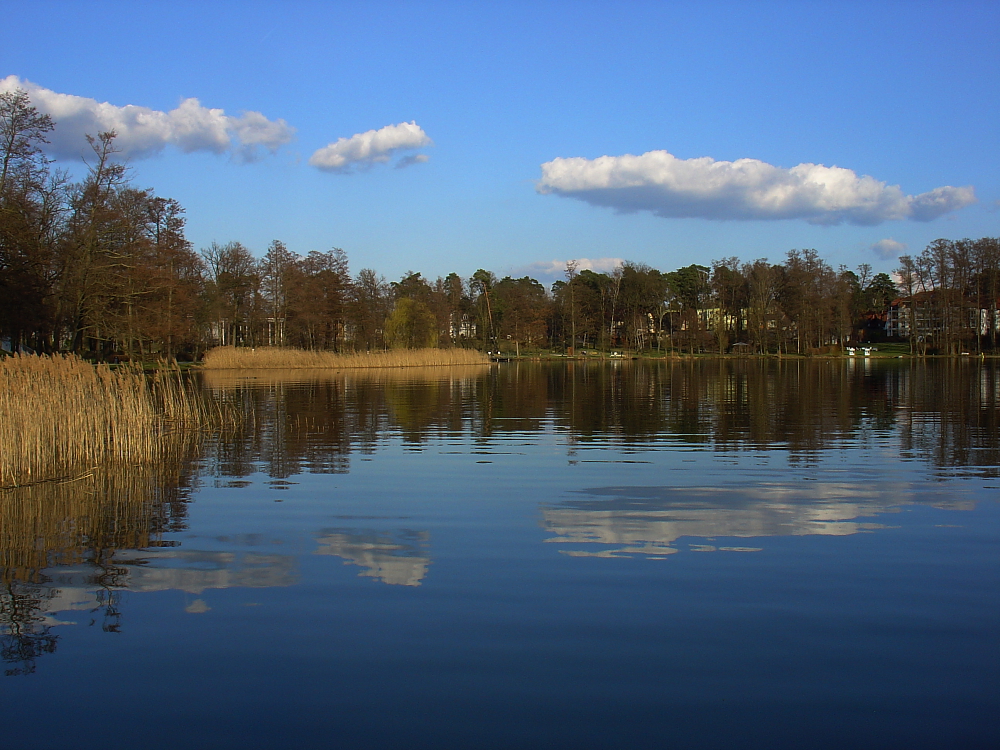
(60, 417)
(234, 358)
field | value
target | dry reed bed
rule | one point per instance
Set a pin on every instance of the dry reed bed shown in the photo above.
(60, 417)
(233, 358)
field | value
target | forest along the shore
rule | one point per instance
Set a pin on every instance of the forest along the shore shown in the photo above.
(102, 268)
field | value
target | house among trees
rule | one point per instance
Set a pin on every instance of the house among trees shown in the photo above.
(941, 321)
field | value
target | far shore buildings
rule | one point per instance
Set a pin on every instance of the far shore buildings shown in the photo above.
(929, 315)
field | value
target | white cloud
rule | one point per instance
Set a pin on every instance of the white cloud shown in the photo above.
(745, 189)
(144, 132)
(372, 147)
(556, 269)
(888, 248)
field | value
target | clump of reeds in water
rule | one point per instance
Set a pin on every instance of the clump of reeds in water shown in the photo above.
(61, 417)
(244, 358)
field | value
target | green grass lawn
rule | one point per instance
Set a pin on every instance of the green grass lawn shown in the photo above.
(890, 350)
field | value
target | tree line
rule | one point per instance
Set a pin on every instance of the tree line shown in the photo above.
(102, 268)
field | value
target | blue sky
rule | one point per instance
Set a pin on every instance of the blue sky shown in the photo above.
(501, 114)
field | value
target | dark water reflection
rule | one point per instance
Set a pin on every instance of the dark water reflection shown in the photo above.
(505, 556)
(944, 413)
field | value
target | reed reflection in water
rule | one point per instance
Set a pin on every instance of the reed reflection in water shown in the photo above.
(83, 526)
(77, 547)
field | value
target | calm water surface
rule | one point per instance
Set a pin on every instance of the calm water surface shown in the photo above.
(712, 554)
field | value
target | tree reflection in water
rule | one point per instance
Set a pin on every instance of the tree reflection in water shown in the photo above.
(25, 636)
(946, 413)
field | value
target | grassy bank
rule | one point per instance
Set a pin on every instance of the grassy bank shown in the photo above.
(233, 358)
(61, 417)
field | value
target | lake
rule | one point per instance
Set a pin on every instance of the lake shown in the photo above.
(706, 553)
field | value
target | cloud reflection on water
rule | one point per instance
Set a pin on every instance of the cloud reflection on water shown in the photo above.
(190, 571)
(631, 521)
(398, 560)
